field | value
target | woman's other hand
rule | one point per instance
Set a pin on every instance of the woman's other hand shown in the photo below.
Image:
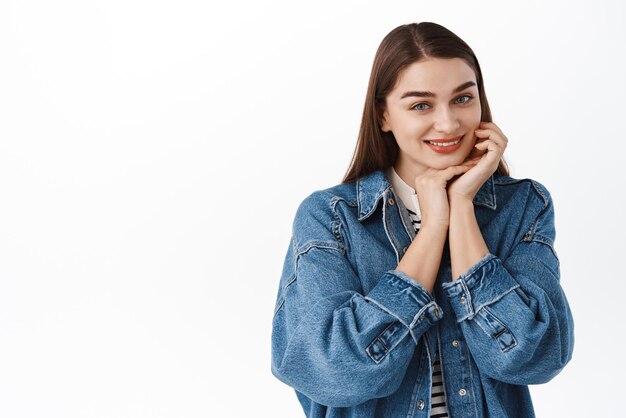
(432, 196)
(483, 160)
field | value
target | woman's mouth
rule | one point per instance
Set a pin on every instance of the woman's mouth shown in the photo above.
(447, 146)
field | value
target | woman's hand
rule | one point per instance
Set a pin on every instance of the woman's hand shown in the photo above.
(484, 160)
(430, 187)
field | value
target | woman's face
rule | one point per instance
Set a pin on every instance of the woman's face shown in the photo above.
(436, 100)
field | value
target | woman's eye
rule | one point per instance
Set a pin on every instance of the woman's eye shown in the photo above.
(469, 98)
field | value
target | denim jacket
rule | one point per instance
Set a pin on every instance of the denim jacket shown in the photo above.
(356, 338)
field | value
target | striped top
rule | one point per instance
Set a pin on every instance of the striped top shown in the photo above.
(409, 198)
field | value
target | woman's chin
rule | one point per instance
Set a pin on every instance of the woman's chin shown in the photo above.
(450, 161)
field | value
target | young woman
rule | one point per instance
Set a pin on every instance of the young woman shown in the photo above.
(426, 283)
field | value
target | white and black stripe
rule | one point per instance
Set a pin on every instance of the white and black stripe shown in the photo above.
(438, 394)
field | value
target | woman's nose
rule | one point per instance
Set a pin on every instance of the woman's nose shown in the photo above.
(446, 121)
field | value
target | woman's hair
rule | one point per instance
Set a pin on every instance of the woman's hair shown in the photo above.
(402, 47)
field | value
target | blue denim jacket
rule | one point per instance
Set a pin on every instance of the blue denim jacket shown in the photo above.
(356, 338)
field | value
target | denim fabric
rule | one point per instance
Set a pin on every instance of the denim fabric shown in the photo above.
(355, 338)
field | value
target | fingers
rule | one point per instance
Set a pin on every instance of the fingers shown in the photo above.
(439, 178)
(487, 136)
(455, 170)
(491, 130)
(491, 145)
(492, 126)
(471, 159)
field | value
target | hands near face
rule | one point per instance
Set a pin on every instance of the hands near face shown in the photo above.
(435, 187)
(482, 162)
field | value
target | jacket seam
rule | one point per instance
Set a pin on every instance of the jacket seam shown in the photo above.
(385, 309)
(337, 225)
(298, 253)
(317, 244)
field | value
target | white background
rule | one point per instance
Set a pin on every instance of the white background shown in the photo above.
(153, 153)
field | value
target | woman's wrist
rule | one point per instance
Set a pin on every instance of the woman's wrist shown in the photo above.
(459, 201)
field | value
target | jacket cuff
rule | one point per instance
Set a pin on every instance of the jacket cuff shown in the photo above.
(401, 296)
(481, 285)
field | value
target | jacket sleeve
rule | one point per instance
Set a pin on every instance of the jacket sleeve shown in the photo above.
(334, 344)
(513, 312)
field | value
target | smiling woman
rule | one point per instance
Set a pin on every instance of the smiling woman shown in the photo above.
(446, 121)
(426, 283)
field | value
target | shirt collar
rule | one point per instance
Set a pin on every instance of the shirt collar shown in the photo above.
(371, 188)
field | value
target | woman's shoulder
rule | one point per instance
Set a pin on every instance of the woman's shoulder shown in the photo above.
(317, 215)
(528, 189)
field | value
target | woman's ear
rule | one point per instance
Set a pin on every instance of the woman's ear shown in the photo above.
(384, 126)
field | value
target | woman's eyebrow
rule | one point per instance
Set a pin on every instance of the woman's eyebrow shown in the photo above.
(431, 94)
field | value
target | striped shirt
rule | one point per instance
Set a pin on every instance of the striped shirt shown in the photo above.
(409, 198)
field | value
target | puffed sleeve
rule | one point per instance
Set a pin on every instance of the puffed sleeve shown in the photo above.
(330, 341)
(513, 312)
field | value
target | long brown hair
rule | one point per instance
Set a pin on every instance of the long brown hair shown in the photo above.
(402, 47)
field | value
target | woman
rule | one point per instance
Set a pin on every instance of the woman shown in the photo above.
(426, 283)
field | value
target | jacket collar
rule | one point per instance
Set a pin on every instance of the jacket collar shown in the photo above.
(372, 187)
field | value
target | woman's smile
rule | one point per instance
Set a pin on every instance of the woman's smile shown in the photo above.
(446, 146)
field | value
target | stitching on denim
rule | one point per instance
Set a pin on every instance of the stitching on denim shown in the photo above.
(505, 180)
(422, 314)
(383, 343)
(505, 329)
(384, 308)
(336, 225)
(388, 349)
(468, 276)
(298, 254)
(487, 323)
(468, 300)
(374, 205)
(288, 283)
(280, 305)
(468, 356)
(377, 358)
(292, 278)
(410, 283)
(388, 229)
(402, 214)
(530, 233)
(558, 262)
(399, 340)
(317, 244)
(496, 299)
(542, 192)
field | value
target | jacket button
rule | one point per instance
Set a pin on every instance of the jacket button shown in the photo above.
(404, 249)
(462, 299)
(391, 201)
(420, 404)
(462, 392)
(436, 312)
(455, 343)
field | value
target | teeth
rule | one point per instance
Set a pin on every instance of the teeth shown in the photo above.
(445, 144)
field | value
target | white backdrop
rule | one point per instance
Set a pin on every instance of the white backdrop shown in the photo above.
(153, 153)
